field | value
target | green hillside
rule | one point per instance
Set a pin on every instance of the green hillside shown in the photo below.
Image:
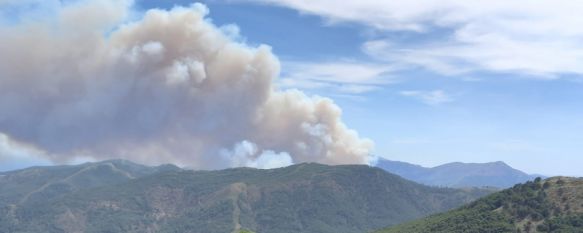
(299, 198)
(552, 205)
(39, 184)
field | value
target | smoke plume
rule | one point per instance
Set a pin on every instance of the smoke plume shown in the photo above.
(169, 87)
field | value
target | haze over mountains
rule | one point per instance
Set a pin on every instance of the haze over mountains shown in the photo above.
(120, 196)
(494, 174)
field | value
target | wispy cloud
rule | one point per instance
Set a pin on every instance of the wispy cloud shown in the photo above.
(433, 98)
(346, 77)
(541, 39)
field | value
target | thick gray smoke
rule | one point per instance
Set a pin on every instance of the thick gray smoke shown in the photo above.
(168, 88)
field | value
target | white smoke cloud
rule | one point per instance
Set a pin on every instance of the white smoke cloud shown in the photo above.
(14, 155)
(170, 87)
(247, 154)
(10, 150)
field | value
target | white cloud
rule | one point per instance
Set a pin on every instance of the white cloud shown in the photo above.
(345, 77)
(433, 98)
(540, 38)
(357, 89)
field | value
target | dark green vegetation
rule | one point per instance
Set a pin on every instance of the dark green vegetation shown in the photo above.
(245, 231)
(457, 175)
(552, 205)
(119, 196)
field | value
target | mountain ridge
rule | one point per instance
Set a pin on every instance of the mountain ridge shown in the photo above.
(457, 174)
(305, 197)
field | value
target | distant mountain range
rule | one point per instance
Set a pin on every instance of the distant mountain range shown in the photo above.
(552, 205)
(121, 196)
(495, 174)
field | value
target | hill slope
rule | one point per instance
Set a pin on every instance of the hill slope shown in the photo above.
(299, 198)
(38, 184)
(495, 174)
(553, 205)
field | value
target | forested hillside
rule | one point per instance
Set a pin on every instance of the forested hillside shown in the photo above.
(109, 197)
(552, 205)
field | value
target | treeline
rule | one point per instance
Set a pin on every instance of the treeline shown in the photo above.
(523, 208)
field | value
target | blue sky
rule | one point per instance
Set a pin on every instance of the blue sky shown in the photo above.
(431, 83)
(530, 121)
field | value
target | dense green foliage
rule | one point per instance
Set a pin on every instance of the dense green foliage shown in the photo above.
(567, 224)
(299, 198)
(529, 207)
